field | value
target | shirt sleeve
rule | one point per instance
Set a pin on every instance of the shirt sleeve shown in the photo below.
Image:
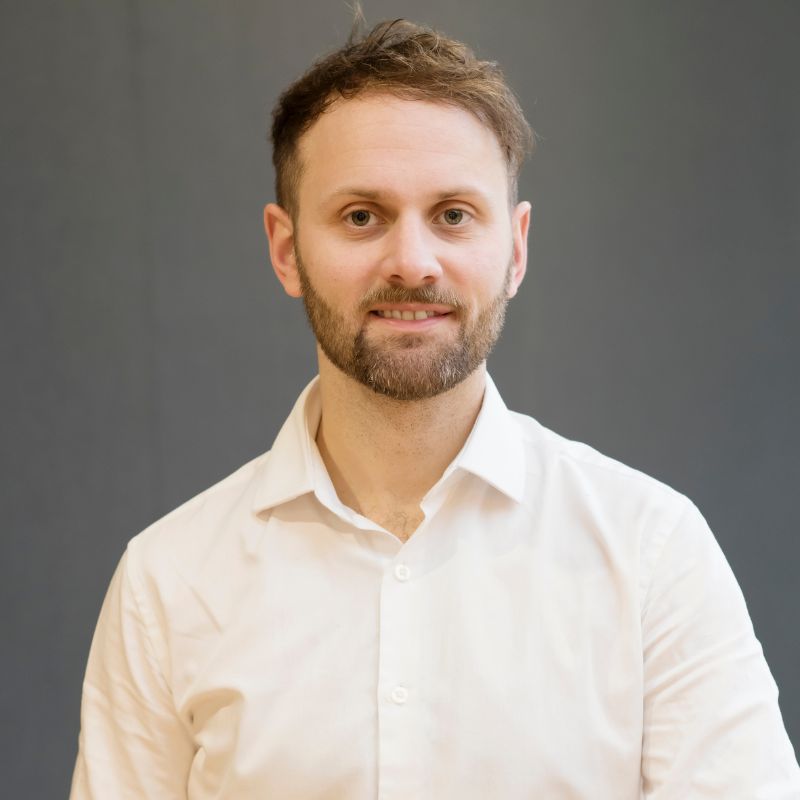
(712, 725)
(132, 742)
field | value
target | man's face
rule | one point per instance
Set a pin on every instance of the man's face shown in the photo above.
(405, 248)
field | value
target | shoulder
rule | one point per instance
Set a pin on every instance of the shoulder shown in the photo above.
(207, 527)
(551, 452)
(609, 500)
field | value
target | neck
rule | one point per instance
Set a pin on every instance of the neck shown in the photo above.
(385, 454)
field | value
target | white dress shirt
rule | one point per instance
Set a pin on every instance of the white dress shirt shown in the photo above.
(559, 626)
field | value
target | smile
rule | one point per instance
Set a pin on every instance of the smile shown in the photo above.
(395, 313)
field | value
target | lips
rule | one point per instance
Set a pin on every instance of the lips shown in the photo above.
(396, 313)
(410, 310)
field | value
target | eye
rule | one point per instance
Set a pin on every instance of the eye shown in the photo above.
(454, 216)
(360, 217)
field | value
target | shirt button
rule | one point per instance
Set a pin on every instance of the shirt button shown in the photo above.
(402, 572)
(399, 695)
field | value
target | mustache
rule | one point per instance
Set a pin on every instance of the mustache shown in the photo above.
(400, 294)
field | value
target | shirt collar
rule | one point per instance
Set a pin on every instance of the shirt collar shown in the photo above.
(493, 451)
(288, 471)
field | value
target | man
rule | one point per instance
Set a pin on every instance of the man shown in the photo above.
(417, 593)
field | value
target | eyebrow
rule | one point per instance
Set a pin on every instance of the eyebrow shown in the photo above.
(373, 194)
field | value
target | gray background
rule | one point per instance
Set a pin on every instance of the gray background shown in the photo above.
(147, 351)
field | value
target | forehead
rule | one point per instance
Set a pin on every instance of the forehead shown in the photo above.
(394, 145)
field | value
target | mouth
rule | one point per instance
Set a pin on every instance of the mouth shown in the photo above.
(395, 313)
(409, 312)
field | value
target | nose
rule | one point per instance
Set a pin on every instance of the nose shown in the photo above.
(410, 258)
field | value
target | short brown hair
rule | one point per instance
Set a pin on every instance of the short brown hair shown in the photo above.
(407, 60)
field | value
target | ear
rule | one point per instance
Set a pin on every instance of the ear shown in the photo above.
(280, 232)
(520, 222)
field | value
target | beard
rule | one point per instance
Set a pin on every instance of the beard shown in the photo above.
(405, 366)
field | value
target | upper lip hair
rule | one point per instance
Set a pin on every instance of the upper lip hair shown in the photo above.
(436, 309)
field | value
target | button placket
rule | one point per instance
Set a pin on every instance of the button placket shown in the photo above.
(398, 717)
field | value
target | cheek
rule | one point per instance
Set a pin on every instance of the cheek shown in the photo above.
(479, 274)
(334, 268)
